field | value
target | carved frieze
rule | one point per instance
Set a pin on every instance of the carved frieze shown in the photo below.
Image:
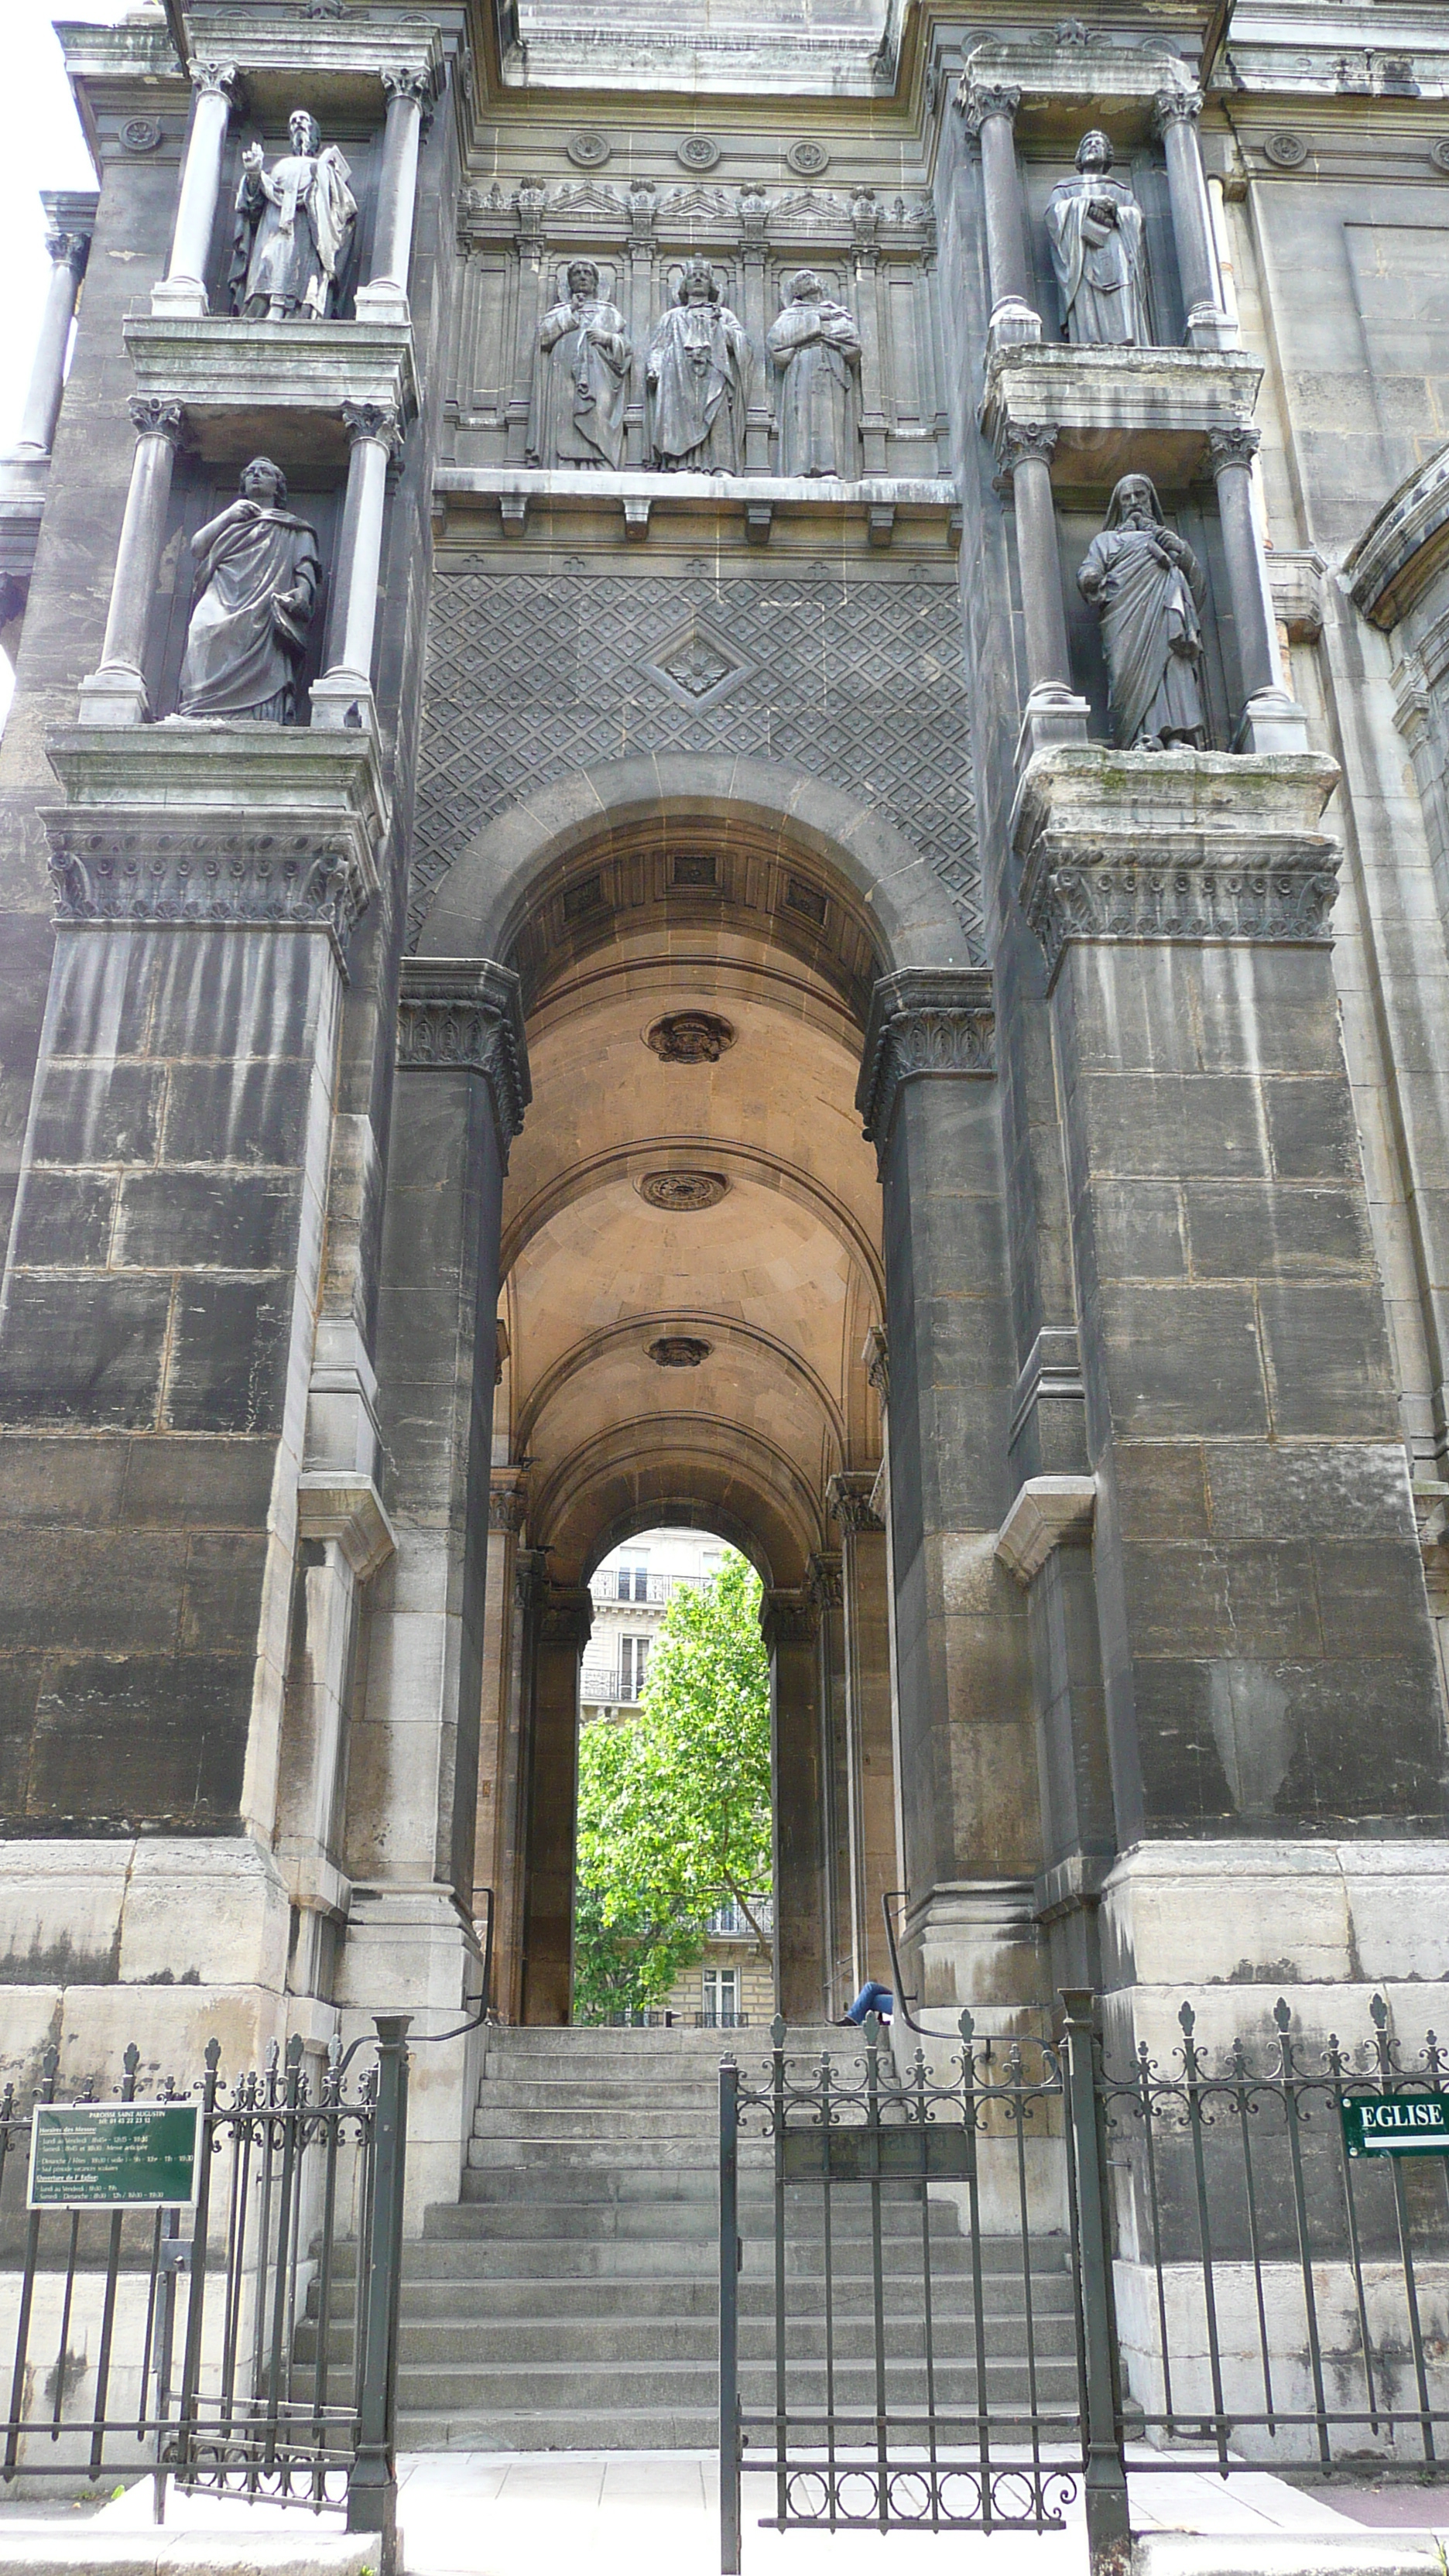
(457, 1015)
(203, 881)
(923, 1021)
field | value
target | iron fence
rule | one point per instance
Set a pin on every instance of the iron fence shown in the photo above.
(193, 2340)
(958, 2297)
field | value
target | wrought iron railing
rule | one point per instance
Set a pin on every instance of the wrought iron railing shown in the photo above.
(198, 2339)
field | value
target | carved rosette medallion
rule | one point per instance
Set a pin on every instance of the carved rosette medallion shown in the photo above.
(807, 158)
(689, 1037)
(682, 1193)
(697, 152)
(679, 1351)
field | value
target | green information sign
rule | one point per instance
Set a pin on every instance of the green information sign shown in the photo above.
(1396, 2124)
(114, 2155)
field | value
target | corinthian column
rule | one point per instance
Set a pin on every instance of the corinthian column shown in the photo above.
(182, 291)
(115, 693)
(343, 694)
(385, 296)
(1175, 116)
(990, 113)
(1270, 719)
(69, 251)
(1053, 713)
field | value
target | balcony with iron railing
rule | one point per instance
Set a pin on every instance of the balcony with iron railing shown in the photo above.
(634, 1584)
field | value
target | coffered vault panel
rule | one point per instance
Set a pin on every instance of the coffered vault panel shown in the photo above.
(856, 679)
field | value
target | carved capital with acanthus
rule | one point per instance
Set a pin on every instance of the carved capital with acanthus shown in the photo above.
(848, 1497)
(508, 1499)
(407, 80)
(876, 1361)
(978, 99)
(1233, 446)
(566, 1615)
(923, 1021)
(214, 80)
(154, 417)
(825, 1580)
(789, 1618)
(376, 421)
(464, 1015)
(1175, 107)
(69, 250)
(1023, 442)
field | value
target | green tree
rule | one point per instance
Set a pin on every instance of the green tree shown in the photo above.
(674, 1804)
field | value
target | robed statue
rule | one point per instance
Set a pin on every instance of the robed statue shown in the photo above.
(1094, 225)
(295, 225)
(258, 573)
(698, 375)
(816, 347)
(583, 376)
(1147, 586)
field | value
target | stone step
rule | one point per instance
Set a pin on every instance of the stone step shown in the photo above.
(428, 2341)
(455, 2298)
(559, 2387)
(599, 2427)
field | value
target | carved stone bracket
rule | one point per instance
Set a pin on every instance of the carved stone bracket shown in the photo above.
(848, 1497)
(923, 1020)
(1188, 845)
(464, 1015)
(347, 1508)
(1049, 1512)
(875, 1359)
(508, 1499)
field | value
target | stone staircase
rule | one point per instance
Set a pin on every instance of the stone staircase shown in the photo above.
(569, 2299)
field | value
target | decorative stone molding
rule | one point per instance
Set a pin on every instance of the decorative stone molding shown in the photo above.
(1117, 411)
(379, 422)
(682, 1193)
(1296, 583)
(1049, 1512)
(1069, 64)
(215, 826)
(508, 1499)
(1403, 547)
(825, 1582)
(465, 1015)
(310, 371)
(679, 1351)
(1183, 845)
(1018, 441)
(348, 1509)
(875, 1359)
(689, 1037)
(978, 99)
(923, 1020)
(848, 1498)
(214, 80)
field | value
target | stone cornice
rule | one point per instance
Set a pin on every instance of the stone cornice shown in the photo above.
(1403, 546)
(465, 1015)
(215, 366)
(848, 1498)
(1049, 1512)
(347, 1508)
(923, 1020)
(215, 826)
(1109, 406)
(1187, 845)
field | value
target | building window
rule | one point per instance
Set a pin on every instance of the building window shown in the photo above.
(721, 1998)
(633, 1658)
(634, 1582)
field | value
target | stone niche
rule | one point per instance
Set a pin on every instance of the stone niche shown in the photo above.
(874, 250)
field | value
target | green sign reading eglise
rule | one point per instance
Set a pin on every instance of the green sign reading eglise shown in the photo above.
(1396, 2124)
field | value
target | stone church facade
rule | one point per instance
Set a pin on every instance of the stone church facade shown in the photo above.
(715, 981)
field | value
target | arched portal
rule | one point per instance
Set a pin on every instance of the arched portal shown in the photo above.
(691, 1280)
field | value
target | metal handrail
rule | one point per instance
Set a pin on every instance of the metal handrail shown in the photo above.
(898, 1989)
(435, 2038)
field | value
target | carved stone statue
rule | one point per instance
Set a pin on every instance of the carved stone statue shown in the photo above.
(698, 375)
(258, 573)
(583, 376)
(1147, 586)
(295, 226)
(816, 347)
(1094, 225)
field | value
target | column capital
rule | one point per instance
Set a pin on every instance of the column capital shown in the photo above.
(69, 250)
(215, 80)
(923, 1020)
(978, 99)
(876, 1361)
(464, 1015)
(156, 417)
(530, 1578)
(1021, 442)
(788, 1617)
(848, 1497)
(566, 1615)
(407, 80)
(508, 1499)
(1175, 107)
(825, 1581)
(1237, 446)
(378, 422)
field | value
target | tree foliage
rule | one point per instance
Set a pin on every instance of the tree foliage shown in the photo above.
(674, 1804)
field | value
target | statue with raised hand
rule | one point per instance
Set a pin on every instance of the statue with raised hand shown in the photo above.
(295, 225)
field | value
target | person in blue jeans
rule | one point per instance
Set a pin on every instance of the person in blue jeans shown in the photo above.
(872, 1998)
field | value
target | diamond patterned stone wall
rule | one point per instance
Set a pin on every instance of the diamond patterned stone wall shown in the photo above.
(854, 679)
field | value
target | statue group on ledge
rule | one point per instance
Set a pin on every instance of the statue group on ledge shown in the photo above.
(698, 372)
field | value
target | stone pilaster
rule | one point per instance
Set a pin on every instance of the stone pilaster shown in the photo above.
(1267, 1664)
(875, 1868)
(836, 1899)
(563, 1617)
(789, 1622)
(969, 1791)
